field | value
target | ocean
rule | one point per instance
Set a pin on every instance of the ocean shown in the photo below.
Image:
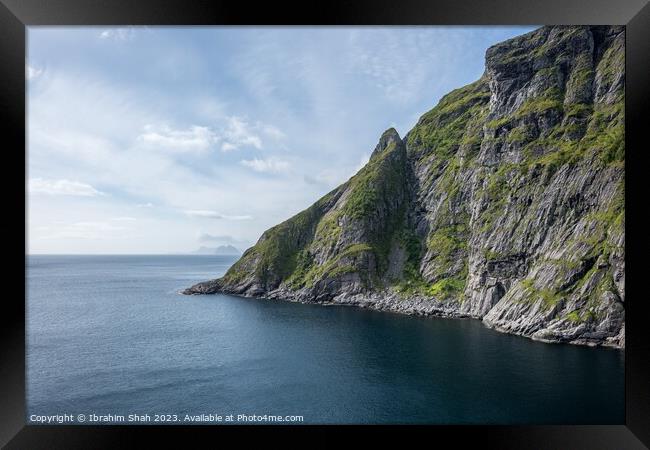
(110, 340)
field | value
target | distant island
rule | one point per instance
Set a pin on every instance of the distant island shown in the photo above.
(505, 203)
(221, 250)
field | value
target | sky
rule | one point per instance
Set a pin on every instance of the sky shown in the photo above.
(157, 140)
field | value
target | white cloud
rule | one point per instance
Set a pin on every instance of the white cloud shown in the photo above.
(118, 34)
(204, 213)
(239, 133)
(268, 165)
(62, 187)
(227, 147)
(233, 133)
(33, 72)
(243, 217)
(145, 205)
(193, 139)
(394, 62)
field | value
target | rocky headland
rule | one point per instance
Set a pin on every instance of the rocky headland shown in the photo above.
(504, 203)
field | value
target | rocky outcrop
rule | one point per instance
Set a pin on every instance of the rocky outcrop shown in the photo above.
(504, 203)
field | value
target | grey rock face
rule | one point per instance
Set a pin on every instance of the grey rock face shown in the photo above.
(504, 203)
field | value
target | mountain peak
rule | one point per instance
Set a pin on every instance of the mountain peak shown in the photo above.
(224, 250)
(388, 137)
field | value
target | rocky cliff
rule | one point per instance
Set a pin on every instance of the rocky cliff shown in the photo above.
(504, 203)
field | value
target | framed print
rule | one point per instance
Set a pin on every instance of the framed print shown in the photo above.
(409, 218)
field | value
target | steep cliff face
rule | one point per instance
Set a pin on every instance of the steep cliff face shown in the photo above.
(504, 203)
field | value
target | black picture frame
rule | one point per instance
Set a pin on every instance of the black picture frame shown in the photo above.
(16, 15)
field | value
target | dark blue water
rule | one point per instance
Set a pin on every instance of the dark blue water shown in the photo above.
(110, 335)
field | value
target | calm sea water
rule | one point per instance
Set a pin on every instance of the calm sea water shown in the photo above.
(111, 335)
